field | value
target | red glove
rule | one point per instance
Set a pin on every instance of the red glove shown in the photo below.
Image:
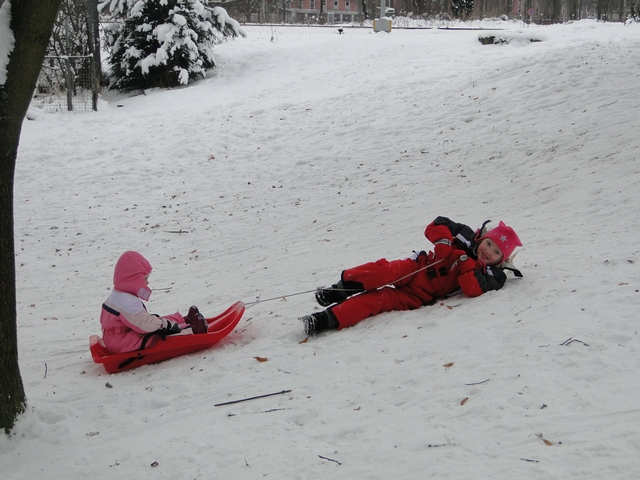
(442, 249)
(467, 263)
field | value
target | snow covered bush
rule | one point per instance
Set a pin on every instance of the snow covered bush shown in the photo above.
(165, 42)
(461, 8)
(634, 14)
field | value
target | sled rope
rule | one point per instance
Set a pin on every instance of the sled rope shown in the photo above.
(281, 297)
(416, 271)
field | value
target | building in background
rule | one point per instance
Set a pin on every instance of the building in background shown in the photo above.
(337, 11)
(355, 11)
(298, 11)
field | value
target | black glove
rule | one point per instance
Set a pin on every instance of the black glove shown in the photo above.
(172, 328)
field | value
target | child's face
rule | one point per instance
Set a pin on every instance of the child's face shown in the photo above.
(488, 252)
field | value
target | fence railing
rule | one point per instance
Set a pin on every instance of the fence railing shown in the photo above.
(67, 82)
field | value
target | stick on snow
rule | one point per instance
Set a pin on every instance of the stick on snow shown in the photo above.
(478, 383)
(251, 398)
(570, 340)
(330, 459)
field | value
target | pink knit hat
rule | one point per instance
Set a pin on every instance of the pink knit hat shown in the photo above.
(505, 238)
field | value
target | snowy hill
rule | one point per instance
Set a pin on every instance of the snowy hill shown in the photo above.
(315, 152)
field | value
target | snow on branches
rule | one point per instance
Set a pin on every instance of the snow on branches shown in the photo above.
(6, 39)
(165, 42)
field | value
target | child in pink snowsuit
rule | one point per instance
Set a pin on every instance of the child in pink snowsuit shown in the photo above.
(126, 324)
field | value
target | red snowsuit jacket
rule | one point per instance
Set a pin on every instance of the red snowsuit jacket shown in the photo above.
(456, 267)
(464, 270)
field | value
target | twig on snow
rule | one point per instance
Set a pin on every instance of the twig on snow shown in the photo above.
(176, 231)
(231, 414)
(330, 459)
(45, 370)
(570, 340)
(251, 398)
(530, 460)
(478, 383)
(521, 311)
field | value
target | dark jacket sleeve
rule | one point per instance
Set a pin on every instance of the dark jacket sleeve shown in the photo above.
(476, 280)
(443, 228)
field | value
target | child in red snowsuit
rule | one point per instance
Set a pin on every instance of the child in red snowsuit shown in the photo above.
(461, 259)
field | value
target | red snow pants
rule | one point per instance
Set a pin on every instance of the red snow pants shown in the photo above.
(407, 294)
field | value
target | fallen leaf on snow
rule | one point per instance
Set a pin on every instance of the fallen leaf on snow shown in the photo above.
(261, 359)
(464, 400)
(544, 440)
(448, 365)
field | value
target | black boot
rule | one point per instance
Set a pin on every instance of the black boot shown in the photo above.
(338, 292)
(318, 322)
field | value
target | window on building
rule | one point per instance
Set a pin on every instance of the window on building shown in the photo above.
(335, 3)
(312, 4)
(347, 4)
(346, 18)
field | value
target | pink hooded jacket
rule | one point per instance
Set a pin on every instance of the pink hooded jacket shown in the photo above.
(124, 318)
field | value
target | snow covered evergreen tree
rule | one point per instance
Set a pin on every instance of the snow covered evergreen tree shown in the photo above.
(165, 42)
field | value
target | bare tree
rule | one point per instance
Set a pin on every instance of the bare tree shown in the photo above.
(363, 6)
(69, 40)
(251, 6)
(94, 46)
(31, 23)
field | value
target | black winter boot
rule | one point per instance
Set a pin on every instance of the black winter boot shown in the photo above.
(337, 293)
(318, 322)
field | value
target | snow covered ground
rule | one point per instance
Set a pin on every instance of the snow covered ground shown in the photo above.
(307, 152)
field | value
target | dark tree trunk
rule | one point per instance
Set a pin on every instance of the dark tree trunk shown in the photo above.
(94, 44)
(31, 23)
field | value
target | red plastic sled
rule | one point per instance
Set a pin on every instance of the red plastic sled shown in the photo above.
(175, 345)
